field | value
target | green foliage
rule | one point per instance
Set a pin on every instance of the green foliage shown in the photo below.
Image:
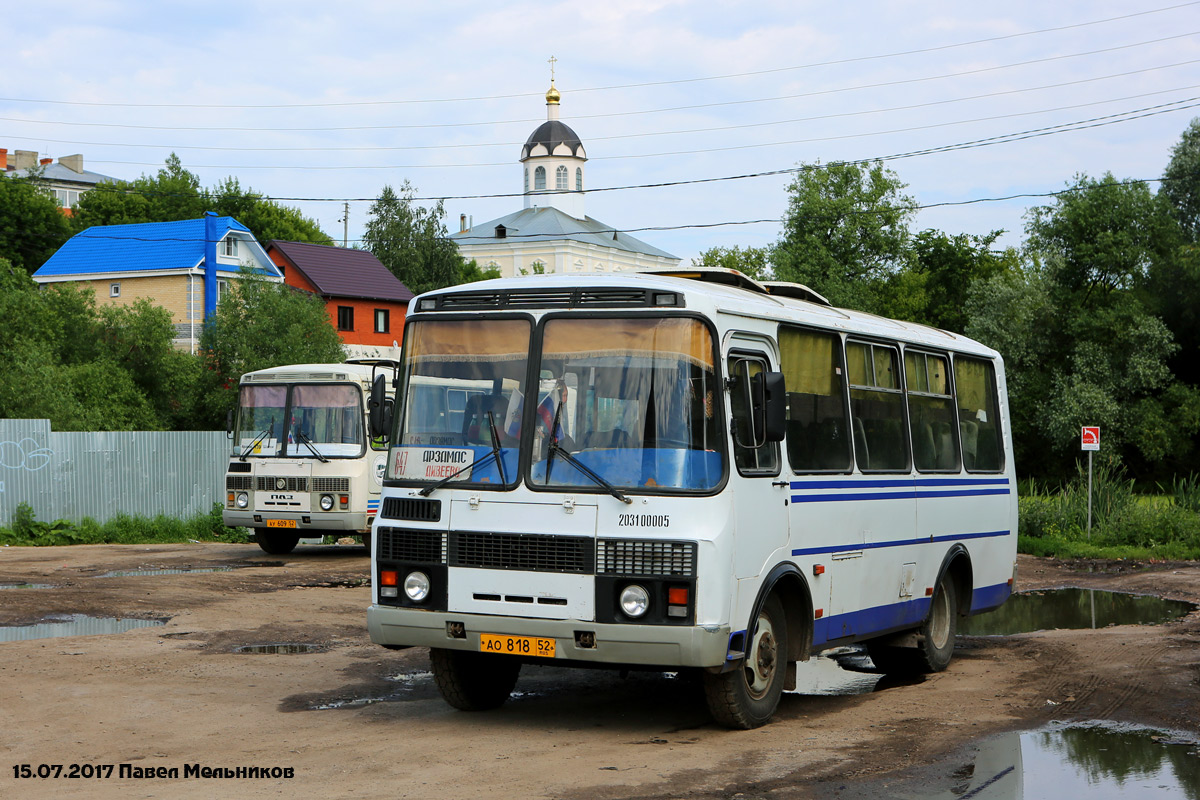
(259, 324)
(32, 226)
(470, 273)
(174, 193)
(412, 241)
(845, 231)
(1185, 491)
(26, 529)
(752, 261)
(1181, 182)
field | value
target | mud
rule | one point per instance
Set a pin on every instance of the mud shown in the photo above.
(355, 720)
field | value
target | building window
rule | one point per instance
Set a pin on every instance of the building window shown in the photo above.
(560, 179)
(539, 179)
(345, 318)
(579, 179)
(382, 320)
(222, 288)
(114, 290)
(526, 170)
(230, 247)
(67, 198)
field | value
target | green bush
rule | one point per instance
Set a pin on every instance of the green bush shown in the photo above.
(121, 529)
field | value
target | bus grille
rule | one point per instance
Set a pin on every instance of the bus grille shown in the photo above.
(238, 483)
(422, 547)
(331, 484)
(412, 508)
(646, 557)
(266, 483)
(522, 551)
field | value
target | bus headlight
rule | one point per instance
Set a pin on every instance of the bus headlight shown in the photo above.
(416, 586)
(242, 500)
(635, 600)
(326, 502)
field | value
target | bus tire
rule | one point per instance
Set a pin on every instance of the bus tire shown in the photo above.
(935, 638)
(473, 681)
(277, 544)
(748, 696)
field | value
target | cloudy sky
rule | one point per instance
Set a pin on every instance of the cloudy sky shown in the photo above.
(317, 104)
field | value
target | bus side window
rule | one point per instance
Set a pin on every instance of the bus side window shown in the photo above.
(818, 428)
(877, 407)
(931, 412)
(750, 460)
(978, 414)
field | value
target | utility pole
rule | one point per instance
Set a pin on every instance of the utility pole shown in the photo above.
(345, 223)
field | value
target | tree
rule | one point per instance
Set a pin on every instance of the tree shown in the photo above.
(175, 194)
(1181, 182)
(260, 324)
(412, 241)
(32, 225)
(471, 273)
(845, 231)
(751, 261)
(265, 218)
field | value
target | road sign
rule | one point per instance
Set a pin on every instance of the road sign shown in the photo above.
(1090, 438)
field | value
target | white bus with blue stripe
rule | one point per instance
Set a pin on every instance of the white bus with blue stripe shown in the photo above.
(301, 465)
(686, 470)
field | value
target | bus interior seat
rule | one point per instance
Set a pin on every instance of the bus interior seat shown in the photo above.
(970, 441)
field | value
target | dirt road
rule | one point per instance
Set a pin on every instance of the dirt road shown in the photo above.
(354, 720)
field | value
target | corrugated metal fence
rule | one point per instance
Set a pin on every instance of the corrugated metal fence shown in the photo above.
(100, 474)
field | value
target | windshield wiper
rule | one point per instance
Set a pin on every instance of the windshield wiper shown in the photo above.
(555, 447)
(492, 456)
(307, 442)
(257, 439)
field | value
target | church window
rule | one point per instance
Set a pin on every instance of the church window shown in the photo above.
(539, 179)
(526, 179)
(579, 179)
(560, 178)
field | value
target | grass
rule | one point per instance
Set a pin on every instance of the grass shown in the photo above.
(27, 530)
(1124, 525)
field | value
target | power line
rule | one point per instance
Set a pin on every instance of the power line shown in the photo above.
(479, 98)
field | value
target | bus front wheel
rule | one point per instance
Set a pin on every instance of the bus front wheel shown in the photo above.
(473, 681)
(747, 697)
(277, 544)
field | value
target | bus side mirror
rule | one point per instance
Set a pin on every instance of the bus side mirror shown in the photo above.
(229, 424)
(770, 406)
(379, 409)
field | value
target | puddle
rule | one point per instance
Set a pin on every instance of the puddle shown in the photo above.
(74, 625)
(127, 573)
(280, 648)
(27, 586)
(411, 678)
(1073, 608)
(1091, 760)
(357, 702)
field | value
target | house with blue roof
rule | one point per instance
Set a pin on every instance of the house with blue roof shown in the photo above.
(183, 266)
(552, 233)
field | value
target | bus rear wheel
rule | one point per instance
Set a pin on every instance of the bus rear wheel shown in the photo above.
(277, 544)
(473, 681)
(935, 638)
(748, 696)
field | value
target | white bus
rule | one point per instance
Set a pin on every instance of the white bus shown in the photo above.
(301, 463)
(687, 470)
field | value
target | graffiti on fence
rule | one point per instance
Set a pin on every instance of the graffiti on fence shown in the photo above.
(24, 454)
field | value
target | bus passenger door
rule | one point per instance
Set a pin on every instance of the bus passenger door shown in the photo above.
(759, 497)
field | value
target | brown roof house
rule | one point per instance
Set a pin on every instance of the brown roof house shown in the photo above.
(365, 301)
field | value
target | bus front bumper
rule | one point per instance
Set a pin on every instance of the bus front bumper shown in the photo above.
(650, 645)
(352, 522)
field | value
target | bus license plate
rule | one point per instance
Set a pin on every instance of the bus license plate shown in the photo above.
(281, 523)
(516, 645)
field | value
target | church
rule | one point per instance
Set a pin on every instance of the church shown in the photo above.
(552, 233)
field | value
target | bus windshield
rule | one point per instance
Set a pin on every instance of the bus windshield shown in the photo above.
(627, 402)
(300, 420)
(460, 411)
